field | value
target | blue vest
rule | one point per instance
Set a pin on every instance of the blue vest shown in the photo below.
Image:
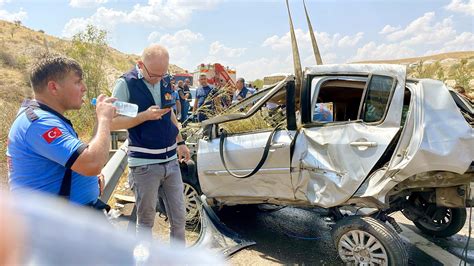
(153, 139)
(243, 92)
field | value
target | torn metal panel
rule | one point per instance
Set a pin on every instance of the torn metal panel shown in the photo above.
(330, 169)
(441, 137)
(330, 162)
(436, 137)
(215, 235)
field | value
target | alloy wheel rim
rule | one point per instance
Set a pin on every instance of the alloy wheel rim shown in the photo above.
(438, 224)
(190, 203)
(361, 247)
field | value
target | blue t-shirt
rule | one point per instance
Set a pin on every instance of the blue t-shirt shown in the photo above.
(40, 151)
(201, 95)
(322, 113)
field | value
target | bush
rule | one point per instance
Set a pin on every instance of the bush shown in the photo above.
(89, 48)
(22, 62)
(8, 59)
(83, 121)
(7, 115)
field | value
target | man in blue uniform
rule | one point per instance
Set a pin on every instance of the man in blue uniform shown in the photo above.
(44, 152)
(203, 103)
(155, 144)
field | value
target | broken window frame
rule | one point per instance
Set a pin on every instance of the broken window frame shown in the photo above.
(317, 82)
(363, 104)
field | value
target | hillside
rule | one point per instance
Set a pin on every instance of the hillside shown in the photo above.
(445, 58)
(452, 68)
(21, 46)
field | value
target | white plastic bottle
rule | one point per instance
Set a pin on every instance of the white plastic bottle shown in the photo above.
(123, 108)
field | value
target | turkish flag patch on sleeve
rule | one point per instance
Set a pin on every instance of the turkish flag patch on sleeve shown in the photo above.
(52, 134)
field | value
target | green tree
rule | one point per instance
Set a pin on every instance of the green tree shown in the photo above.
(15, 27)
(462, 74)
(258, 83)
(439, 71)
(418, 71)
(89, 48)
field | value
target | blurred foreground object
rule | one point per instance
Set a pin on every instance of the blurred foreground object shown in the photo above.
(40, 230)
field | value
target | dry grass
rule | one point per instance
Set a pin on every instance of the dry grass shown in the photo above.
(261, 120)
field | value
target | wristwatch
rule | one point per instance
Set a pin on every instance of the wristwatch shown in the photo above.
(181, 143)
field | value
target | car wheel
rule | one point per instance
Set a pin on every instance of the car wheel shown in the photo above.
(367, 241)
(191, 204)
(442, 222)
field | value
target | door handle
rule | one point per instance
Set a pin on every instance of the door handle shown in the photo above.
(278, 145)
(364, 144)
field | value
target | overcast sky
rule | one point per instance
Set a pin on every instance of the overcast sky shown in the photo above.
(252, 36)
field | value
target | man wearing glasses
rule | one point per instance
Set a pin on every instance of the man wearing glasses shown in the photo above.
(155, 145)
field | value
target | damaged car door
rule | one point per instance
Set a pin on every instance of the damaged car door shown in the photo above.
(261, 129)
(350, 117)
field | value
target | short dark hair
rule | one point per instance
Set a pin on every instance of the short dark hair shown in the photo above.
(241, 80)
(52, 68)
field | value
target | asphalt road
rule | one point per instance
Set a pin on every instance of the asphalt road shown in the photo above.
(303, 236)
(292, 236)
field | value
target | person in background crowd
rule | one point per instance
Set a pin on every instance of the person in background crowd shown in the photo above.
(177, 102)
(225, 93)
(187, 84)
(241, 92)
(155, 144)
(44, 152)
(202, 94)
(184, 96)
(252, 89)
(173, 82)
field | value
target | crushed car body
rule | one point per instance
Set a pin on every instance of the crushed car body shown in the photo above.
(360, 140)
(354, 136)
(337, 162)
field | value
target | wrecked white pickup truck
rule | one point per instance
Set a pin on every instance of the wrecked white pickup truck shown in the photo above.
(358, 137)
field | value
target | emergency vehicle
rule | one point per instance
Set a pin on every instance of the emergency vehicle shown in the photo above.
(214, 73)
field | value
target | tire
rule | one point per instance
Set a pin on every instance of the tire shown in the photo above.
(193, 214)
(452, 222)
(191, 190)
(365, 240)
(191, 204)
